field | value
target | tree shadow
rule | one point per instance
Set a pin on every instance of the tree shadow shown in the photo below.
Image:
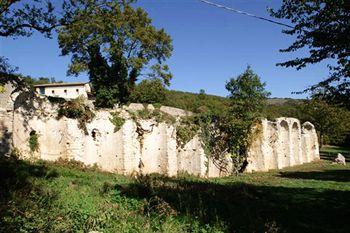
(330, 156)
(249, 208)
(19, 193)
(327, 175)
(5, 140)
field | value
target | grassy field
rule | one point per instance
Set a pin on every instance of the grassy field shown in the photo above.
(67, 197)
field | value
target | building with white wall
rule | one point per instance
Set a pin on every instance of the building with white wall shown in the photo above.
(64, 90)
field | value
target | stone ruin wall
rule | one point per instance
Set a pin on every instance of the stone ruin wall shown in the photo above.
(282, 143)
(277, 144)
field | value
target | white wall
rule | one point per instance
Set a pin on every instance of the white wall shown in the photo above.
(279, 144)
(72, 92)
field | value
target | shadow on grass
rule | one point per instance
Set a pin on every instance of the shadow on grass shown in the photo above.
(249, 208)
(327, 175)
(20, 196)
(330, 156)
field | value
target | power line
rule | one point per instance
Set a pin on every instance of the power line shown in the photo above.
(244, 13)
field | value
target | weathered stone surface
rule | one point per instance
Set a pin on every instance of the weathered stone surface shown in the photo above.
(147, 146)
(135, 107)
(340, 159)
(282, 143)
(176, 112)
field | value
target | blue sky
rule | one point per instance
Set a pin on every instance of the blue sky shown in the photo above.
(211, 45)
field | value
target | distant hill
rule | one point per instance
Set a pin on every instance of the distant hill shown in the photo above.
(282, 101)
(200, 102)
(196, 102)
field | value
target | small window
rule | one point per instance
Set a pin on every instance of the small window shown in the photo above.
(42, 90)
(53, 92)
(77, 90)
(65, 92)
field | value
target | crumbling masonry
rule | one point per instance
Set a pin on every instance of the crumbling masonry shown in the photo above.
(275, 145)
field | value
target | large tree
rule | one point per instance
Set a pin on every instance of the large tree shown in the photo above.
(248, 99)
(114, 42)
(21, 18)
(331, 122)
(322, 27)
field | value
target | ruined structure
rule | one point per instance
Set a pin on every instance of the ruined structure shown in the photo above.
(282, 143)
(145, 146)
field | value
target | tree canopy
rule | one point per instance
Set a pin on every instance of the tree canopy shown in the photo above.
(20, 18)
(323, 29)
(331, 122)
(114, 42)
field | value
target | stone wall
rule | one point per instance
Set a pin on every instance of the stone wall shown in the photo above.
(282, 143)
(147, 146)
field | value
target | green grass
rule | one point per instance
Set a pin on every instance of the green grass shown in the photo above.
(68, 197)
(330, 152)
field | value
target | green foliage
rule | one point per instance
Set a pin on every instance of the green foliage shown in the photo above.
(197, 103)
(156, 114)
(21, 18)
(113, 42)
(2, 88)
(149, 91)
(33, 142)
(322, 27)
(186, 130)
(248, 100)
(331, 122)
(248, 95)
(84, 200)
(117, 121)
(76, 109)
(282, 108)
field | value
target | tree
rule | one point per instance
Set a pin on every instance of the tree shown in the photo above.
(150, 91)
(248, 99)
(114, 43)
(248, 95)
(20, 18)
(323, 28)
(331, 122)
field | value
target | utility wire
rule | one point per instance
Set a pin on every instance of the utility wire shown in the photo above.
(244, 13)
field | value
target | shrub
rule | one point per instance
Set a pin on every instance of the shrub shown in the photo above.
(76, 109)
(2, 89)
(186, 130)
(117, 121)
(149, 91)
(33, 141)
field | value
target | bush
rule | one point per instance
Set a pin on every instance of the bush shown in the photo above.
(2, 89)
(117, 121)
(149, 91)
(76, 109)
(33, 141)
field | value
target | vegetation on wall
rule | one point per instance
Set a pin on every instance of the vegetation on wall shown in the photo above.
(186, 130)
(117, 121)
(156, 114)
(2, 88)
(33, 141)
(76, 109)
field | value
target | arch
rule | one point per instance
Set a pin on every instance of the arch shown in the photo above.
(284, 154)
(295, 144)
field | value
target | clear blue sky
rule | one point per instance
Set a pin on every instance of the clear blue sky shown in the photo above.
(210, 46)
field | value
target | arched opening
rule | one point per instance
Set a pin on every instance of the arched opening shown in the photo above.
(284, 160)
(295, 144)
